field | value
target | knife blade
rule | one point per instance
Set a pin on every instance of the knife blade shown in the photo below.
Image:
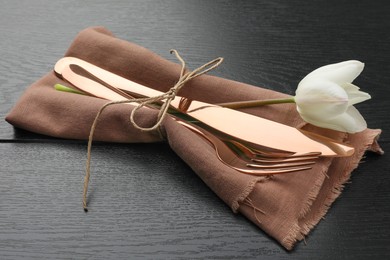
(243, 126)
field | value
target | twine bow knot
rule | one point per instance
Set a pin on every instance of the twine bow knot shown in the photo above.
(172, 92)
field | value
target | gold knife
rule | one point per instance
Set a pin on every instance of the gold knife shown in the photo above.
(240, 125)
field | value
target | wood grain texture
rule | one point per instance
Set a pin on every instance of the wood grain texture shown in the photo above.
(270, 44)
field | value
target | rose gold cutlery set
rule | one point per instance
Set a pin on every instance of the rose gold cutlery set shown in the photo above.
(244, 142)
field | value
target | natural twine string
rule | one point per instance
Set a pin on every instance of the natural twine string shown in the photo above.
(167, 96)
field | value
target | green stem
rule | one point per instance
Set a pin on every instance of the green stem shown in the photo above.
(233, 105)
(63, 88)
(256, 103)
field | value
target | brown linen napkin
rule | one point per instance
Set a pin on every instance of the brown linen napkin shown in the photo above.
(285, 206)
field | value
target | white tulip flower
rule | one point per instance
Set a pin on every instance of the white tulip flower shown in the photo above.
(325, 97)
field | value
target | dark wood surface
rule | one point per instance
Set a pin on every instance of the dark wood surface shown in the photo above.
(145, 202)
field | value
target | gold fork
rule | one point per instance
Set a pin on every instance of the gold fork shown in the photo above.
(276, 163)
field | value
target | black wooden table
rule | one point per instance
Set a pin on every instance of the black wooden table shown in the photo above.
(271, 44)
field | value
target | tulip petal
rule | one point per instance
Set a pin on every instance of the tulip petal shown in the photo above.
(339, 73)
(322, 123)
(354, 95)
(321, 99)
(351, 122)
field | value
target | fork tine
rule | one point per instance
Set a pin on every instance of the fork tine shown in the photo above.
(258, 153)
(279, 165)
(279, 160)
(269, 172)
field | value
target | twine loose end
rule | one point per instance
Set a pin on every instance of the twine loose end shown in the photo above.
(167, 96)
